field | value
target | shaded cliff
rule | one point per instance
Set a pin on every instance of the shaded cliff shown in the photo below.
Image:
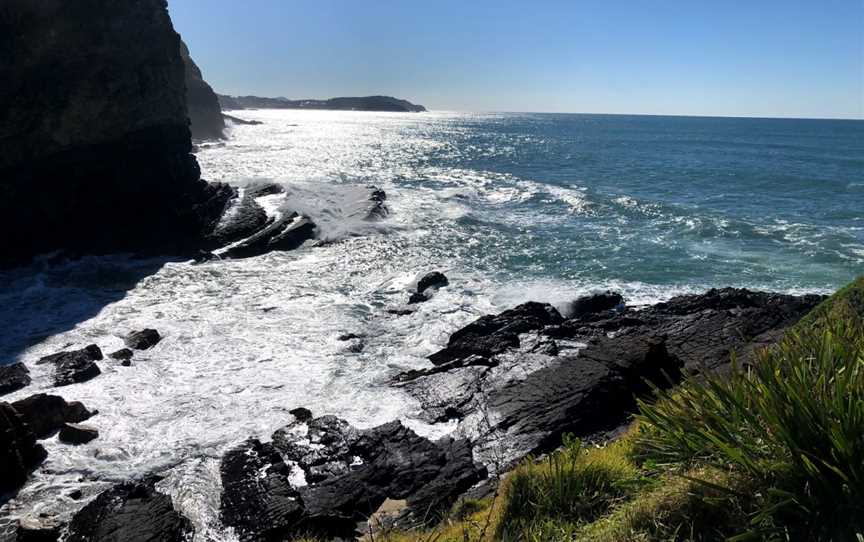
(94, 136)
(365, 103)
(205, 114)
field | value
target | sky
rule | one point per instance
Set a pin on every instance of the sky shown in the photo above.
(766, 58)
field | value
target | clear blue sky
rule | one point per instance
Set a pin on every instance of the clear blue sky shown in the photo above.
(791, 58)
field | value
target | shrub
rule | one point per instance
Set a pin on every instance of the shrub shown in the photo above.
(793, 423)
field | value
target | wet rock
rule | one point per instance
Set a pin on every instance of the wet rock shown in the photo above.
(124, 354)
(46, 414)
(435, 279)
(242, 122)
(19, 452)
(132, 512)
(349, 336)
(490, 335)
(142, 340)
(75, 494)
(73, 433)
(400, 312)
(538, 377)
(258, 501)
(261, 188)
(349, 473)
(89, 353)
(75, 366)
(38, 530)
(287, 233)
(596, 303)
(417, 298)
(13, 377)
(241, 220)
(301, 414)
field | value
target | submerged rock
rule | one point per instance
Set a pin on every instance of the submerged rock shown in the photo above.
(19, 452)
(130, 512)
(524, 377)
(143, 340)
(45, 414)
(13, 377)
(417, 298)
(124, 354)
(73, 433)
(348, 472)
(435, 279)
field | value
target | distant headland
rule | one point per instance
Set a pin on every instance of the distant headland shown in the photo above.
(365, 103)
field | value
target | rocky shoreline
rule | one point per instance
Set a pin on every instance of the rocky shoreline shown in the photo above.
(513, 383)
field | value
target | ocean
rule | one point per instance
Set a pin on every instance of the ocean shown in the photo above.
(512, 207)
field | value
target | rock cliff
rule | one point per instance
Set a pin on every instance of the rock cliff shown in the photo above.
(205, 114)
(94, 134)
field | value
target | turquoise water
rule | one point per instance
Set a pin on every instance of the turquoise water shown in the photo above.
(667, 200)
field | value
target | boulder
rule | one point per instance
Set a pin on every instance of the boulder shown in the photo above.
(435, 279)
(19, 452)
(205, 113)
(132, 512)
(74, 366)
(524, 377)
(417, 297)
(142, 340)
(593, 304)
(262, 188)
(124, 354)
(241, 220)
(46, 414)
(73, 433)
(348, 472)
(13, 377)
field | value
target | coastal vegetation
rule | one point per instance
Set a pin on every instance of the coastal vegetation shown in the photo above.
(773, 450)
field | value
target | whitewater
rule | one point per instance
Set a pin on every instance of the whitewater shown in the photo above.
(511, 207)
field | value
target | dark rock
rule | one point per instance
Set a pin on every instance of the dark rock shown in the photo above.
(242, 219)
(490, 335)
(88, 353)
(435, 279)
(46, 414)
(301, 414)
(75, 494)
(258, 501)
(13, 377)
(126, 363)
(261, 188)
(400, 312)
(94, 132)
(287, 233)
(73, 433)
(539, 386)
(205, 114)
(124, 354)
(142, 340)
(242, 122)
(349, 474)
(19, 452)
(131, 512)
(74, 366)
(349, 336)
(367, 103)
(417, 298)
(38, 530)
(593, 304)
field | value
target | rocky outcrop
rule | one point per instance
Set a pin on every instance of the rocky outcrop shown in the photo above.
(19, 452)
(94, 136)
(13, 377)
(46, 414)
(524, 377)
(74, 433)
(74, 366)
(348, 474)
(131, 512)
(142, 340)
(366, 103)
(205, 113)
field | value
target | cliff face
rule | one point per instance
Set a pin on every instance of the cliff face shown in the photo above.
(205, 114)
(94, 136)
